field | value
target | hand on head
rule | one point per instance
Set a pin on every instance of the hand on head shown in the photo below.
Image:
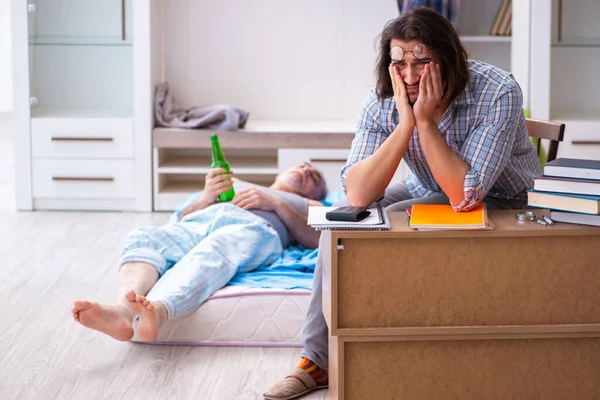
(416, 79)
(430, 93)
(403, 105)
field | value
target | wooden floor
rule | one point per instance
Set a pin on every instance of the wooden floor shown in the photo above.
(50, 259)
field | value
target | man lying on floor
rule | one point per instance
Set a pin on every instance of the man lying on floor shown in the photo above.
(187, 261)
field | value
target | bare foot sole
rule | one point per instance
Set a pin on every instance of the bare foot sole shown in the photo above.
(110, 320)
(149, 321)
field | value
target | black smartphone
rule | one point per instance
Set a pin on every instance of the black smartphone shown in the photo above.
(348, 213)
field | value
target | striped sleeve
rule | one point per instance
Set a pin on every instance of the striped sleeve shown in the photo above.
(369, 134)
(488, 148)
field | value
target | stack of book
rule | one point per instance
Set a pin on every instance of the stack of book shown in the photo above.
(571, 189)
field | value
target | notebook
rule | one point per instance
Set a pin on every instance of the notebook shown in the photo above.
(377, 220)
(438, 216)
(575, 218)
(573, 168)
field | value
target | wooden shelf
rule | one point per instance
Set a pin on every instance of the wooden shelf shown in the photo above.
(485, 39)
(581, 41)
(188, 187)
(183, 155)
(561, 114)
(181, 187)
(65, 40)
(264, 135)
(175, 192)
(199, 165)
(50, 112)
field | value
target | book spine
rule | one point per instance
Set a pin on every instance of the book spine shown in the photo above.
(562, 217)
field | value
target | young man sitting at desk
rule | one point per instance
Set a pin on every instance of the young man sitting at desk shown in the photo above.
(458, 124)
(187, 261)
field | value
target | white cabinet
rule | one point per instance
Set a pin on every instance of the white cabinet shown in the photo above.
(582, 140)
(511, 53)
(82, 179)
(85, 72)
(475, 20)
(256, 154)
(565, 43)
(181, 171)
(329, 161)
(82, 138)
(82, 124)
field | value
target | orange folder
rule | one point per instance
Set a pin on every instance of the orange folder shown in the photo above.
(439, 216)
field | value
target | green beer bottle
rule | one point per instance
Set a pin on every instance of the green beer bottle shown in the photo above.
(219, 161)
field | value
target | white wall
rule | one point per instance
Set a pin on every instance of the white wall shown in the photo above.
(313, 61)
(289, 59)
(278, 59)
(5, 58)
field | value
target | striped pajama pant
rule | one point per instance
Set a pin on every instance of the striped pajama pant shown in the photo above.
(200, 254)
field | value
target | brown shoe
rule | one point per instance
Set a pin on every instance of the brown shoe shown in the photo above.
(295, 385)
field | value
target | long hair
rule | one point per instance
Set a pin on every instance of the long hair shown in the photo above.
(437, 33)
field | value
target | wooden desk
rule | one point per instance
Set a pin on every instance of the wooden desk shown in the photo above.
(508, 313)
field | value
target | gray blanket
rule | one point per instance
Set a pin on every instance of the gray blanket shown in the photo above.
(217, 117)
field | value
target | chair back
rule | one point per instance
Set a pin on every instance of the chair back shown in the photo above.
(548, 130)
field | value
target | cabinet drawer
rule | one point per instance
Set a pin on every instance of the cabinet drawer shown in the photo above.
(434, 281)
(581, 140)
(81, 138)
(579, 149)
(82, 179)
(468, 369)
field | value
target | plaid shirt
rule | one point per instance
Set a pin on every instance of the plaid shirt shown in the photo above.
(484, 125)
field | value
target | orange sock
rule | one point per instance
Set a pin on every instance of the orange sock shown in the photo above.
(317, 373)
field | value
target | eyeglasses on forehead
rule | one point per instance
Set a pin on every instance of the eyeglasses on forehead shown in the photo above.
(419, 52)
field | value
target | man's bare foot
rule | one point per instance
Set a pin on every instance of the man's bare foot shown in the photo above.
(115, 321)
(152, 316)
